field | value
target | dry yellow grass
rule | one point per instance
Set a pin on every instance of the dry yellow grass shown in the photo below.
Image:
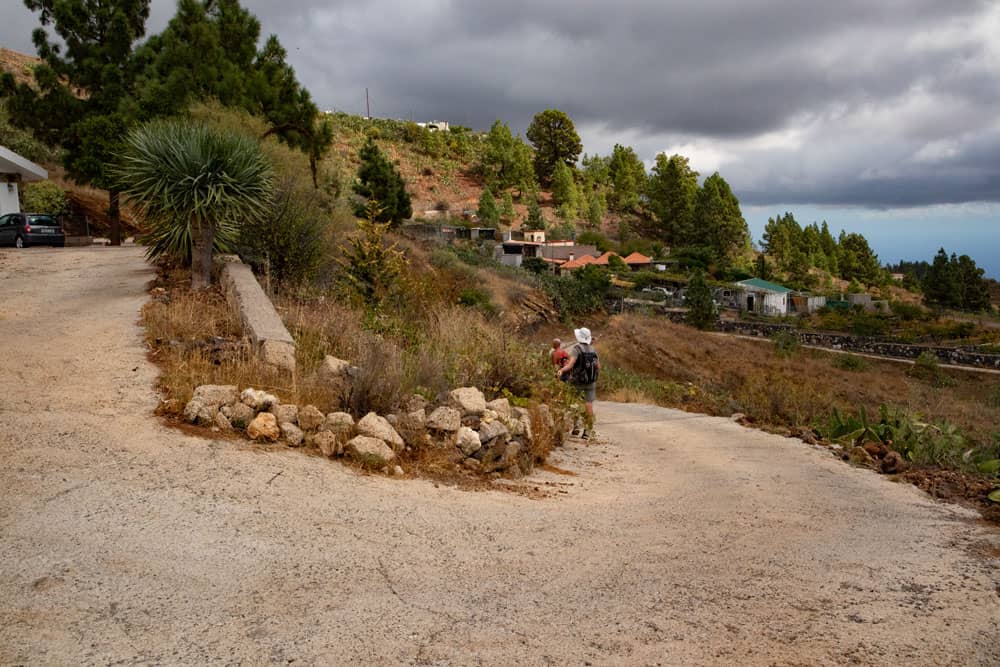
(721, 374)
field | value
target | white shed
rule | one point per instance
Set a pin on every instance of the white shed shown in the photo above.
(763, 297)
(15, 169)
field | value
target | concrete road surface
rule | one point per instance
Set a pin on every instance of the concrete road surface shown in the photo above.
(677, 540)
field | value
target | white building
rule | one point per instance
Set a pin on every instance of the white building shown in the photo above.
(15, 169)
(763, 297)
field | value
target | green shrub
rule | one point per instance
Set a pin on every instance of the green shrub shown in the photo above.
(927, 368)
(478, 298)
(535, 265)
(868, 324)
(850, 362)
(289, 243)
(44, 197)
(786, 343)
(909, 312)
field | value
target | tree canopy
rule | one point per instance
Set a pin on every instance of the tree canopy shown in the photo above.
(673, 195)
(83, 86)
(956, 282)
(379, 181)
(555, 140)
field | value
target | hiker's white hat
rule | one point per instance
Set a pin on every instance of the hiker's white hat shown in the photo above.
(582, 335)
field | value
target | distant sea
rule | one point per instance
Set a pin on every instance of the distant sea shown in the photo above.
(904, 234)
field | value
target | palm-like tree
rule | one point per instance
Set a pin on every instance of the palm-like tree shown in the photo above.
(194, 186)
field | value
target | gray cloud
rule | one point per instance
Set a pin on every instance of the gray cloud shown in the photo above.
(882, 104)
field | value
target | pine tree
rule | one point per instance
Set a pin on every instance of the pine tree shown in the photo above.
(673, 194)
(564, 191)
(594, 211)
(379, 180)
(698, 298)
(535, 220)
(95, 55)
(628, 177)
(555, 140)
(507, 207)
(488, 212)
(718, 219)
(371, 266)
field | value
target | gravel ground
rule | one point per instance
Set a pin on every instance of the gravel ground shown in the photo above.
(677, 540)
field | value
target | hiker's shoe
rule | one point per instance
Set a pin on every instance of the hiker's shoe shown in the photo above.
(586, 435)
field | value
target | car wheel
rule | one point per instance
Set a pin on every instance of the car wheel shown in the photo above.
(18, 242)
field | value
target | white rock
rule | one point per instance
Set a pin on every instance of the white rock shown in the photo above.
(240, 415)
(445, 419)
(490, 415)
(310, 418)
(327, 442)
(200, 413)
(286, 412)
(264, 427)
(376, 426)
(469, 400)
(333, 369)
(418, 417)
(222, 422)
(340, 423)
(501, 406)
(216, 395)
(370, 450)
(292, 434)
(467, 441)
(398, 471)
(491, 431)
(257, 399)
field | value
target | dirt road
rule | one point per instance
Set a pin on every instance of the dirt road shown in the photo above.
(684, 540)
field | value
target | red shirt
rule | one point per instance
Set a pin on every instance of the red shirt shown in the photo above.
(559, 357)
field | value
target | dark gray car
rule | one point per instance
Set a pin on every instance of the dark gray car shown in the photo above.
(23, 229)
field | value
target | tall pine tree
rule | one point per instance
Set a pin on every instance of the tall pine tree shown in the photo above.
(83, 86)
(379, 181)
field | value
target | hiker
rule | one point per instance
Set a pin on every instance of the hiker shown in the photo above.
(558, 355)
(581, 371)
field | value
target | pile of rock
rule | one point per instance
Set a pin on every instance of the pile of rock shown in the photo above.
(483, 436)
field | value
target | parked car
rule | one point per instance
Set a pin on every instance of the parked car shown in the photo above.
(23, 229)
(661, 290)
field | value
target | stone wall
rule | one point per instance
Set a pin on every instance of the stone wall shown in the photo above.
(863, 344)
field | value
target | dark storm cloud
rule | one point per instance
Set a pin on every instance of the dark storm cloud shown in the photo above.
(887, 103)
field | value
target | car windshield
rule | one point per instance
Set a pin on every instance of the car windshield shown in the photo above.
(42, 220)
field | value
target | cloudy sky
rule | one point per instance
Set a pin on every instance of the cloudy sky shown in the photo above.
(874, 115)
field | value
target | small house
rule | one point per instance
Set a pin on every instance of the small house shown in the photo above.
(763, 297)
(15, 169)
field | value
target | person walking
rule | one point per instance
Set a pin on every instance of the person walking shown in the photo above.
(581, 371)
(558, 355)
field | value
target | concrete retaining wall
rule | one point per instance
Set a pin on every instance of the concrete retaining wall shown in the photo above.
(260, 319)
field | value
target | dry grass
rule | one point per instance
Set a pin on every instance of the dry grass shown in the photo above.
(674, 365)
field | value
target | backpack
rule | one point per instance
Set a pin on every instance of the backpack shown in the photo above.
(585, 368)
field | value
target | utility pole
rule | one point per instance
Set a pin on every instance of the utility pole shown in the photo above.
(368, 107)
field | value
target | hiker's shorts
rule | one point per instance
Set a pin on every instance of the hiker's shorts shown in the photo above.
(587, 391)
